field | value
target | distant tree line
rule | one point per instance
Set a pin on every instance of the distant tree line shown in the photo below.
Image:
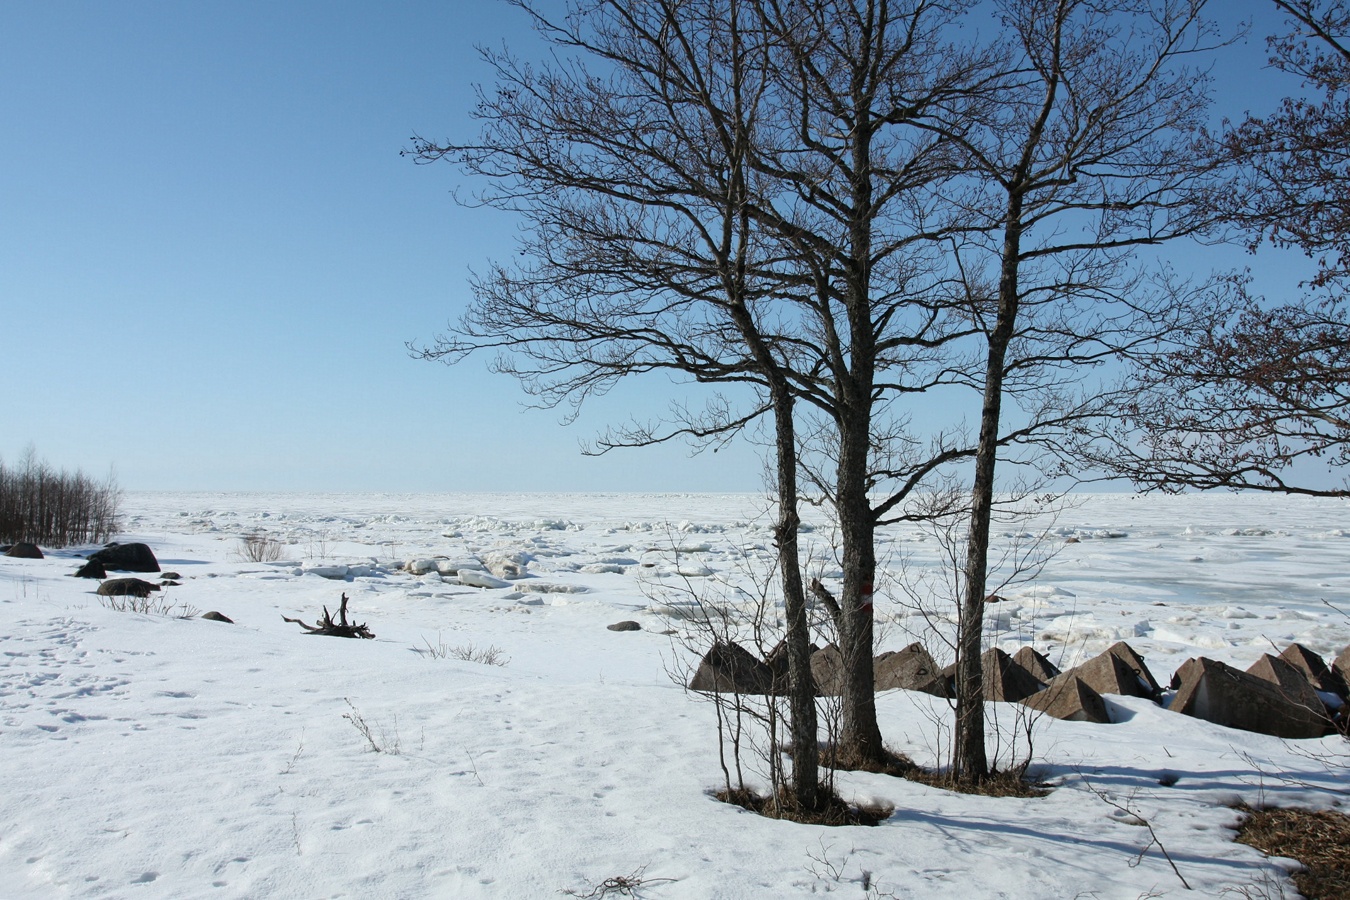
(43, 506)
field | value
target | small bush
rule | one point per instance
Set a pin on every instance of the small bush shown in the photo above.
(259, 547)
(379, 740)
(488, 656)
(154, 606)
(56, 509)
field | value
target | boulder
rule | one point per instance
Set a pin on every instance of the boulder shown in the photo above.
(24, 551)
(1292, 681)
(1221, 694)
(910, 669)
(627, 625)
(1119, 670)
(214, 616)
(126, 587)
(1314, 668)
(91, 569)
(127, 558)
(1069, 697)
(1035, 663)
(728, 668)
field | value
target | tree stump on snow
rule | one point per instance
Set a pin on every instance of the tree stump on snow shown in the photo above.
(340, 628)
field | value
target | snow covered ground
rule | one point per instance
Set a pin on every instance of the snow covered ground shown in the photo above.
(151, 756)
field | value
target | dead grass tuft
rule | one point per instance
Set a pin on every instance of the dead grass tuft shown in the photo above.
(835, 811)
(1318, 840)
(895, 764)
(998, 784)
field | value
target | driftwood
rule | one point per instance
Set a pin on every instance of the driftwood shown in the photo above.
(340, 628)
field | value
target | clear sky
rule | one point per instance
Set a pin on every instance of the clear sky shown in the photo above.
(212, 254)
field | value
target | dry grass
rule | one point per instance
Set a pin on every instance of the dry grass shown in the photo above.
(1318, 840)
(896, 764)
(489, 656)
(149, 606)
(998, 784)
(834, 812)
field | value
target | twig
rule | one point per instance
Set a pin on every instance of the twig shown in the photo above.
(618, 886)
(1154, 841)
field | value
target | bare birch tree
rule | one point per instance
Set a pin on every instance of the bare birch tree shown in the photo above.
(1092, 153)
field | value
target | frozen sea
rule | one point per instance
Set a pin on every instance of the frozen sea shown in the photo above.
(147, 755)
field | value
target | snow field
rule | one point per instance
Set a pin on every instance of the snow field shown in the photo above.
(150, 756)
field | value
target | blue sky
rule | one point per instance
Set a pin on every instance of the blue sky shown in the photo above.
(212, 254)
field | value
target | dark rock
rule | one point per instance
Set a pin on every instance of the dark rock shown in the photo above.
(1219, 693)
(728, 668)
(1069, 697)
(1039, 667)
(126, 587)
(92, 569)
(127, 558)
(170, 576)
(24, 551)
(625, 626)
(910, 669)
(214, 616)
(1314, 668)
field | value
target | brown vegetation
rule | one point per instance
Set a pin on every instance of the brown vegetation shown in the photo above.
(1319, 840)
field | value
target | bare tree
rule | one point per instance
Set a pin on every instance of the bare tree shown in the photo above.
(1241, 407)
(641, 257)
(742, 197)
(44, 506)
(1092, 152)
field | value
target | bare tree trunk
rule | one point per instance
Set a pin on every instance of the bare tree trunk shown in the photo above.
(801, 685)
(859, 738)
(969, 759)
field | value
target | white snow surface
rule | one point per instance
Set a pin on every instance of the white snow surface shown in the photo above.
(145, 755)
